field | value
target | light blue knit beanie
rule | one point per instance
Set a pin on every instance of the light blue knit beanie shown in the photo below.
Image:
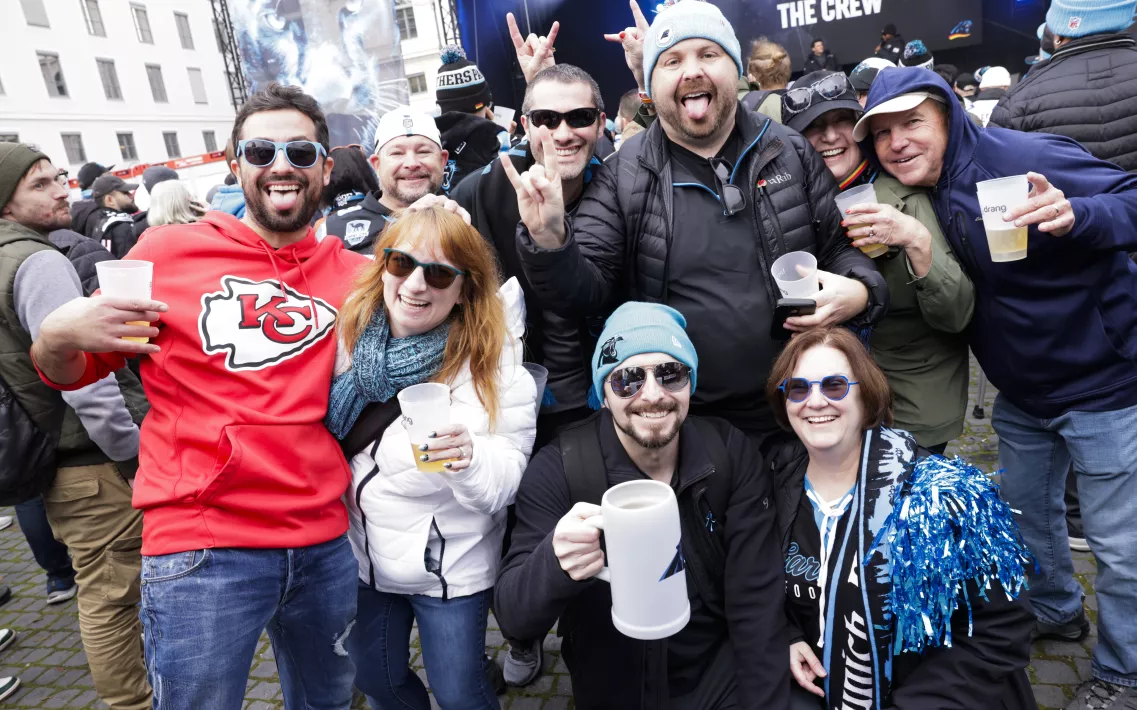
(636, 328)
(688, 19)
(1081, 18)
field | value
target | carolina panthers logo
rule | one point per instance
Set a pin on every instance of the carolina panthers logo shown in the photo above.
(678, 563)
(608, 354)
(257, 325)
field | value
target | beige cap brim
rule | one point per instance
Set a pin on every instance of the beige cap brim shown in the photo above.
(904, 102)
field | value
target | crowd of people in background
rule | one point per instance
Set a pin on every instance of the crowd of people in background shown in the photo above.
(231, 456)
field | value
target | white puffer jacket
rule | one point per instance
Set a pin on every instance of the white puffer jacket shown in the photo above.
(440, 534)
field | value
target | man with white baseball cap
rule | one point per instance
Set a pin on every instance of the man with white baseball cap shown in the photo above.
(409, 160)
(993, 86)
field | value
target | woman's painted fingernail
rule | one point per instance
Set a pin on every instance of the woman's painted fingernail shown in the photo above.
(622, 35)
(423, 447)
(424, 458)
(447, 465)
(432, 435)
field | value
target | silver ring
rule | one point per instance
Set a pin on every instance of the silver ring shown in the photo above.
(872, 232)
(462, 453)
(1056, 212)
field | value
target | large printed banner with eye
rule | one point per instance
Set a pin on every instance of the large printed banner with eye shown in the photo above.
(345, 53)
(851, 29)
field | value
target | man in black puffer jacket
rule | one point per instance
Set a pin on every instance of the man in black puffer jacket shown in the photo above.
(83, 253)
(1087, 90)
(692, 213)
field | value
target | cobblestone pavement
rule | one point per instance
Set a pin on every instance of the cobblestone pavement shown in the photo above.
(48, 655)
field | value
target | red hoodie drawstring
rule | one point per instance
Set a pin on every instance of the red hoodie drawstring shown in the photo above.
(272, 257)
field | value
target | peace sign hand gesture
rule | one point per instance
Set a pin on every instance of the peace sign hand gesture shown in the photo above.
(533, 53)
(632, 39)
(540, 199)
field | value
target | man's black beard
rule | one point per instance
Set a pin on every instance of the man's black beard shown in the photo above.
(657, 441)
(259, 205)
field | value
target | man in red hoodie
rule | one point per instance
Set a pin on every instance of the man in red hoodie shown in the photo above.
(239, 481)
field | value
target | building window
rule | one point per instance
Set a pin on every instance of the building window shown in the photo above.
(210, 141)
(110, 79)
(172, 149)
(197, 86)
(73, 144)
(35, 13)
(182, 21)
(157, 86)
(126, 146)
(217, 35)
(52, 74)
(405, 19)
(142, 24)
(93, 17)
(418, 83)
(9, 137)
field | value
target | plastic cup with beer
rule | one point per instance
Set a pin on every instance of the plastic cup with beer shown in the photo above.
(862, 194)
(127, 278)
(796, 275)
(426, 409)
(997, 198)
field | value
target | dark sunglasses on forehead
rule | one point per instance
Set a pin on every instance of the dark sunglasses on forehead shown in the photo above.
(628, 381)
(834, 388)
(577, 118)
(831, 87)
(437, 276)
(261, 153)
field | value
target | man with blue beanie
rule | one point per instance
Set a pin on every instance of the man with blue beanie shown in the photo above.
(1087, 88)
(693, 212)
(733, 653)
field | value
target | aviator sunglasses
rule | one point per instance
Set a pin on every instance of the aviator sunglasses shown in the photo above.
(261, 153)
(577, 118)
(437, 276)
(834, 387)
(628, 381)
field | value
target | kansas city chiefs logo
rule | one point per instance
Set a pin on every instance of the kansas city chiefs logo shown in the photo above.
(258, 325)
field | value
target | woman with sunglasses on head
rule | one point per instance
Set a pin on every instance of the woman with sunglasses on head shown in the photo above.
(918, 343)
(429, 309)
(903, 569)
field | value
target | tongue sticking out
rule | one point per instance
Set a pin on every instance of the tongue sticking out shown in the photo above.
(697, 107)
(283, 201)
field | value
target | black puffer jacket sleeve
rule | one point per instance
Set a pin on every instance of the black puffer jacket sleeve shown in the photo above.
(835, 252)
(582, 276)
(532, 590)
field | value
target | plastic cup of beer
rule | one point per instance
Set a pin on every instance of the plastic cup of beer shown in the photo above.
(127, 279)
(862, 194)
(426, 409)
(796, 275)
(996, 200)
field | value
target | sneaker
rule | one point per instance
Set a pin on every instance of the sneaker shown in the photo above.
(61, 590)
(1077, 535)
(8, 686)
(7, 636)
(493, 672)
(1075, 629)
(1100, 695)
(523, 663)
(5, 594)
(5, 522)
(1079, 544)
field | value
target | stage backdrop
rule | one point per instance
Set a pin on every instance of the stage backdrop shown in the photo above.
(345, 53)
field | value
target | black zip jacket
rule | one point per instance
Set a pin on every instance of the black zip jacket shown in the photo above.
(84, 217)
(825, 62)
(115, 231)
(608, 669)
(986, 669)
(83, 253)
(1086, 91)
(360, 224)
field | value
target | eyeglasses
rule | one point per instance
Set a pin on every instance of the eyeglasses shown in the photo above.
(261, 153)
(732, 197)
(628, 381)
(437, 276)
(831, 87)
(577, 118)
(834, 387)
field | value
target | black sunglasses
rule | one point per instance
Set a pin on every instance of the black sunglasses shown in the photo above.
(438, 276)
(628, 381)
(261, 153)
(577, 118)
(831, 87)
(834, 388)
(732, 197)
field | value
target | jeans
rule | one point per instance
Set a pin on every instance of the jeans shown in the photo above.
(452, 634)
(1036, 455)
(50, 554)
(204, 611)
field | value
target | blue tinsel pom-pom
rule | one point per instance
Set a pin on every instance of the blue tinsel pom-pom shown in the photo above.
(948, 527)
(452, 53)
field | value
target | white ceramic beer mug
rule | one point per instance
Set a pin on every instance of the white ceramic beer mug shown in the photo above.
(640, 520)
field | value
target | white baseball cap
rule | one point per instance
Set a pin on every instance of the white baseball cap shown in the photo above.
(405, 121)
(904, 102)
(994, 77)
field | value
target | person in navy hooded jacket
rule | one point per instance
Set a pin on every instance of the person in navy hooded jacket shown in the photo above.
(1056, 332)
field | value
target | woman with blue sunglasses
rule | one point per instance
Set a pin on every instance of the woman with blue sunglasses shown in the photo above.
(903, 569)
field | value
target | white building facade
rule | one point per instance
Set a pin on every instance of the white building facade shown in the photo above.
(420, 42)
(116, 82)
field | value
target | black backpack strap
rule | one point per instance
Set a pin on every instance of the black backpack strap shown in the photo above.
(585, 471)
(370, 425)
